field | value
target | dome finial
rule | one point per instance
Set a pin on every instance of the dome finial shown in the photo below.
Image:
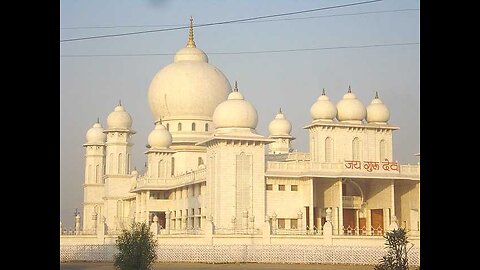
(236, 87)
(98, 120)
(349, 89)
(323, 92)
(280, 111)
(376, 94)
(119, 102)
(191, 42)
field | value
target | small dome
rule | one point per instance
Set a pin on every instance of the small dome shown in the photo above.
(323, 109)
(95, 134)
(160, 137)
(350, 109)
(119, 118)
(377, 112)
(235, 112)
(280, 126)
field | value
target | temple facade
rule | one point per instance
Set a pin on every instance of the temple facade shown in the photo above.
(206, 163)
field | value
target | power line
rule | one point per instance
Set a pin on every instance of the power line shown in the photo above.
(260, 21)
(249, 52)
(219, 23)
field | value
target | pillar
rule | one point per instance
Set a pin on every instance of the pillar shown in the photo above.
(328, 228)
(167, 222)
(209, 230)
(252, 220)
(154, 225)
(267, 230)
(77, 224)
(299, 221)
(245, 219)
(94, 222)
(274, 223)
(310, 226)
(368, 218)
(393, 225)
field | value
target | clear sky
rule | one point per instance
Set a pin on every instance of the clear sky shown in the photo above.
(90, 87)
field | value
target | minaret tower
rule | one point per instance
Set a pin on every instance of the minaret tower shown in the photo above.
(94, 172)
(236, 166)
(119, 144)
(159, 154)
(280, 129)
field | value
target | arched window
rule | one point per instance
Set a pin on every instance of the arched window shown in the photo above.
(120, 164)
(97, 174)
(111, 164)
(89, 174)
(356, 149)
(128, 164)
(159, 169)
(172, 172)
(179, 126)
(382, 150)
(328, 149)
(193, 126)
(168, 126)
(206, 127)
(200, 161)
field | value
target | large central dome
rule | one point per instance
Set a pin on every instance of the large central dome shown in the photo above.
(189, 88)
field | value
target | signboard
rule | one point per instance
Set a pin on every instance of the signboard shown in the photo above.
(370, 166)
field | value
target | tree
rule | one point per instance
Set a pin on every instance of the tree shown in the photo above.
(396, 258)
(137, 248)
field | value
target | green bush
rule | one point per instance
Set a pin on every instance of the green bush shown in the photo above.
(137, 248)
(396, 258)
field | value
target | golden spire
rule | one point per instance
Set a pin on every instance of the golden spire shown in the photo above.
(376, 94)
(349, 89)
(191, 42)
(323, 92)
(236, 87)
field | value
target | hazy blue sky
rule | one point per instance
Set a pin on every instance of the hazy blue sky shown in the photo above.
(92, 86)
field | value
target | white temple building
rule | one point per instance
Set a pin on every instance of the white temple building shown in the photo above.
(205, 162)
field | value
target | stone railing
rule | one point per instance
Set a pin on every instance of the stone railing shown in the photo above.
(337, 168)
(298, 156)
(177, 180)
(303, 165)
(410, 169)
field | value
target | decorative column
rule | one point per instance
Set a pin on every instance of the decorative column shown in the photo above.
(94, 222)
(299, 222)
(167, 222)
(274, 223)
(245, 220)
(233, 220)
(328, 228)
(77, 224)
(267, 230)
(252, 220)
(184, 221)
(311, 221)
(209, 230)
(393, 225)
(154, 225)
